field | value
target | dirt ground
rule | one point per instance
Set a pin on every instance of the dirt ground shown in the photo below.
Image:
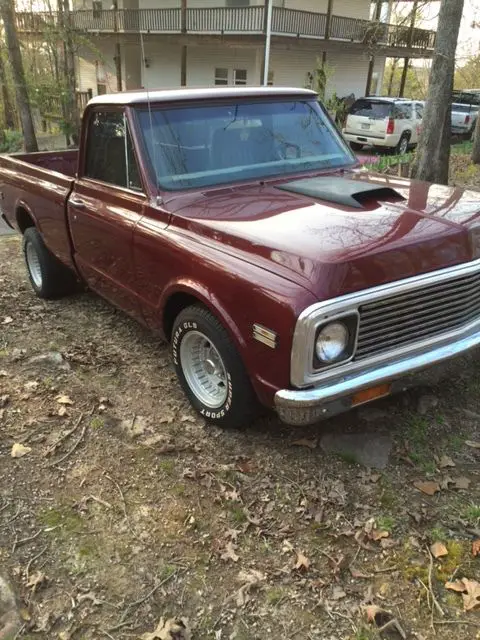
(123, 507)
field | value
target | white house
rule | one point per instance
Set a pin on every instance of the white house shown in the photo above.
(165, 43)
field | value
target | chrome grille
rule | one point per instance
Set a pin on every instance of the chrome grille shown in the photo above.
(403, 319)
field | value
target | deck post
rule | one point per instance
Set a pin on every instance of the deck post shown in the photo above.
(328, 22)
(267, 29)
(183, 60)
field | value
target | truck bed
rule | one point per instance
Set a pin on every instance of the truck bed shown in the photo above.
(36, 186)
(60, 161)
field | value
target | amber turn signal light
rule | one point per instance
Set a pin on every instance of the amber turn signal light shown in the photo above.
(371, 394)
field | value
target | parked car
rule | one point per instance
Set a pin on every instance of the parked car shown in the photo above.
(392, 123)
(237, 223)
(464, 119)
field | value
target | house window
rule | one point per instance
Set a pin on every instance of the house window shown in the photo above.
(240, 76)
(97, 8)
(238, 3)
(270, 78)
(221, 75)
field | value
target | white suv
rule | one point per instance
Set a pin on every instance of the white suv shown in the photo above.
(384, 122)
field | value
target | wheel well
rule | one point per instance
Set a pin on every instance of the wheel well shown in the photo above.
(24, 219)
(176, 303)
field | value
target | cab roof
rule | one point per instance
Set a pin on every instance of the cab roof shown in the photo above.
(172, 95)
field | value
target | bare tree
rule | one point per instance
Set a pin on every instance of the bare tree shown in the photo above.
(18, 73)
(433, 152)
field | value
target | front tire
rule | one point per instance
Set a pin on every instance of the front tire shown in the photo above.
(210, 370)
(48, 276)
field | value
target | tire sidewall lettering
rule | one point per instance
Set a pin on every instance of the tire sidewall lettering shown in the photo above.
(211, 414)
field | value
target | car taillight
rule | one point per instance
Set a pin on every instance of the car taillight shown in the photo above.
(467, 119)
(391, 125)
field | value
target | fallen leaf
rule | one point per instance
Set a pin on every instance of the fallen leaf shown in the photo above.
(377, 534)
(457, 585)
(338, 593)
(172, 629)
(246, 466)
(287, 546)
(64, 400)
(304, 442)
(438, 550)
(476, 547)
(7, 320)
(470, 590)
(473, 444)
(3, 373)
(36, 580)
(302, 563)
(250, 580)
(428, 487)
(445, 461)
(62, 410)
(358, 574)
(89, 596)
(461, 483)
(19, 450)
(229, 553)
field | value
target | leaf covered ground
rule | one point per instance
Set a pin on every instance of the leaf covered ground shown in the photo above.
(119, 507)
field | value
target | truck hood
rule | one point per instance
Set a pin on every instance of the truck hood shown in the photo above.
(329, 248)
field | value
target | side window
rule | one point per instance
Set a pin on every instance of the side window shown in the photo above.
(110, 157)
(419, 110)
(402, 112)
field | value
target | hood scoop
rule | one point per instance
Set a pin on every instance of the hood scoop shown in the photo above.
(342, 191)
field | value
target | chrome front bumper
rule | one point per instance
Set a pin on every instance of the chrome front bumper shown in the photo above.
(307, 406)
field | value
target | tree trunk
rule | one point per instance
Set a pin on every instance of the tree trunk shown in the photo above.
(476, 143)
(15, 59)
(8, 112)
(433, 152)
(392, 75)
(70, 81)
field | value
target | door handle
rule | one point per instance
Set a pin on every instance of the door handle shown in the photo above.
(80, 204)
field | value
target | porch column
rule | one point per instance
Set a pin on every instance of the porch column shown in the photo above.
(183, 59)
(328, 22)
(267, 30)
(118, 54)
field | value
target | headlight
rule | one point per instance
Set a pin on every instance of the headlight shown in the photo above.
(332, 341)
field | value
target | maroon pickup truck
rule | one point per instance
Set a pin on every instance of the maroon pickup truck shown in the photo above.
(238, 224)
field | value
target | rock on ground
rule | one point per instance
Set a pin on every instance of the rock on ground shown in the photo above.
(9, 619)
(369, 449)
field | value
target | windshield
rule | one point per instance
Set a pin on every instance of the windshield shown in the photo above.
(371, 109)
(201, 146)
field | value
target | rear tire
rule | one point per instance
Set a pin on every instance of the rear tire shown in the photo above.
(49, 277)
(356, 146)
(402, 146)
(211, 371)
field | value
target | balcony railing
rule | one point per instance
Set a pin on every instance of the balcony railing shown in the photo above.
(220, 20)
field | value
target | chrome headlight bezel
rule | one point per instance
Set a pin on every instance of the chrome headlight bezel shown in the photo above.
(349, 324)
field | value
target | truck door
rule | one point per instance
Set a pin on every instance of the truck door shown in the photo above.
(104, 207)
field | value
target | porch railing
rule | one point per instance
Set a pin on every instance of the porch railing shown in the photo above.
(213, 20)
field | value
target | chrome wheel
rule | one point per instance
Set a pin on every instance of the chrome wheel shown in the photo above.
(203, 369)
(33, 264)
